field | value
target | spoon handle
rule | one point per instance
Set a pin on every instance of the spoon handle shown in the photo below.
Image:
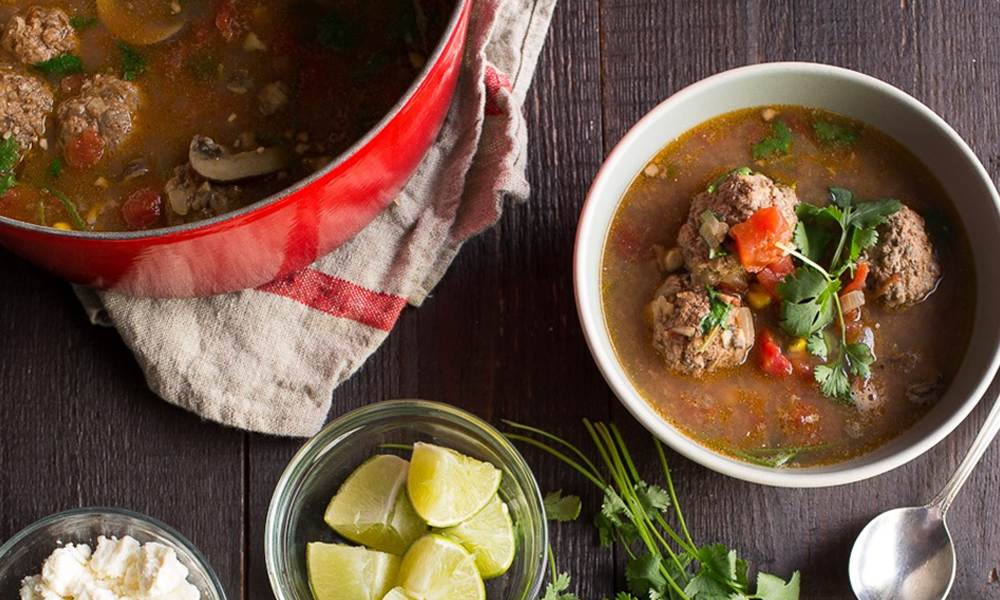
(990, 428)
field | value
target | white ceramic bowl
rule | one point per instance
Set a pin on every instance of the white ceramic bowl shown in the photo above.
(871, 101)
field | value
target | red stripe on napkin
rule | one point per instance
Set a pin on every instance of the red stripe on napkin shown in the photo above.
(338, 297)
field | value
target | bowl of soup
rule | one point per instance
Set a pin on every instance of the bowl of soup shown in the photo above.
(785, 272)
(192, 148)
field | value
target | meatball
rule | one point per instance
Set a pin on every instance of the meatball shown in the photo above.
(733, 201)
(191, 197)
(904, 269)
(676, 314)
(106, 105)
(25, 103)
(38, 35)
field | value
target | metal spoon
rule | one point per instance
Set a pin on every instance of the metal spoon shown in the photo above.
(907, 553)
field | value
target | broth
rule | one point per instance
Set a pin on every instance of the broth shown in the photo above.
(741, 411)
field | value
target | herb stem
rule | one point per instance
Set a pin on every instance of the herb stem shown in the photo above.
(569, 461)
(843, 238)
(673, 494)
(559, 440)
(73, 215)
(792, 250)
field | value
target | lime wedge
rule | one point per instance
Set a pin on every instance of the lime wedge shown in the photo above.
(396, 593)
(372, 507)
(436, 568)
(489, 536)
(446, 487)
(339, 572)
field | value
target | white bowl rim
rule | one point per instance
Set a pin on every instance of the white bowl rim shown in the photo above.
(588, 232)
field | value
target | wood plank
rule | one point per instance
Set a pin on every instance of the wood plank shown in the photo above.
(78, 427)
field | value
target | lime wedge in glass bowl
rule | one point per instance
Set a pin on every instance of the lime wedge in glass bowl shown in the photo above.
(339, 572)
(446, 487)
(436, 568)
(373, 509)
(489, 536)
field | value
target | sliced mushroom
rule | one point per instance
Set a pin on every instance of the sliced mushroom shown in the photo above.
(135, 168)
(217, 163)
(141, 22)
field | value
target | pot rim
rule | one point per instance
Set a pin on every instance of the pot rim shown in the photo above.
(432, 62)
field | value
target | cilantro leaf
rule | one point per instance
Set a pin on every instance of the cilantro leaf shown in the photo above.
(833, 380)
(133, 63)
(779, 142)
(8, 160)
(561, 508)
(643, 575)
(614, 520)
(65, 64)
(861, 240)
(55, 168)
(807, 306)
(872, 214)
(817, 345)
(80, 23)
(718, 312)
(556, 588)
(652, 498)
(859, 357)
(835, 133)
(721, 178)
(625, 596)
(770, 587)
(841, 197)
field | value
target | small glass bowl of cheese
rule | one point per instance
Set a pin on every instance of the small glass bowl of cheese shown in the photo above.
(24, 555)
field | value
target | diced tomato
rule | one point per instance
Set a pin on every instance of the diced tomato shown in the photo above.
(803, 367)
(226, 20)
(142, 208)
(772, 361)
(84, 150)
(858, 283)
(756, 238)
(770, 276)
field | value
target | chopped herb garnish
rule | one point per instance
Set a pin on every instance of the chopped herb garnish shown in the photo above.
(779, 142)
(718, 312)
(82, 22)
(718, 180)
(835, 133)
(664, 562)
(336, 32)
(55, 168)
(133, 63)
(8, 160)
(66, 64)
(809, 297)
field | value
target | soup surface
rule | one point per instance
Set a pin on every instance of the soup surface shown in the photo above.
(737, 322)
(134, 114)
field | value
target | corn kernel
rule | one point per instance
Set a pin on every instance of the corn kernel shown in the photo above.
(758, 298)
(799, 345)
(62, 225)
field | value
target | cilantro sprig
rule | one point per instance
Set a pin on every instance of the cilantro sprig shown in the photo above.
(65, 64)
(664, 561)
(777, 143)
(836, 133)
(133, 62)
(839, 232)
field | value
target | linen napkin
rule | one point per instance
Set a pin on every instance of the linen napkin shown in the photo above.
(268, 359)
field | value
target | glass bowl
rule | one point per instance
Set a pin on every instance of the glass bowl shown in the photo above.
(22, 555)
(313, 476)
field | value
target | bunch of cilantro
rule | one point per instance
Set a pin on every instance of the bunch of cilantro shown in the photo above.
(834, 236)
(664, 562)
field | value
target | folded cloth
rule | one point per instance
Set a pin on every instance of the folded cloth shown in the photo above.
(268, 359)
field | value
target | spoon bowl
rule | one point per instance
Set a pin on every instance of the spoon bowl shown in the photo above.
(904, 554)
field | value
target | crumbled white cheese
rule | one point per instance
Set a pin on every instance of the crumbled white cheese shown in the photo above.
(116, 570)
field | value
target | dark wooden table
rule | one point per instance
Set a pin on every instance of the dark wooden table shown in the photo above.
(500, 335)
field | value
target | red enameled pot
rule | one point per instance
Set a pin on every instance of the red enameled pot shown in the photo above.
(273, 237)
